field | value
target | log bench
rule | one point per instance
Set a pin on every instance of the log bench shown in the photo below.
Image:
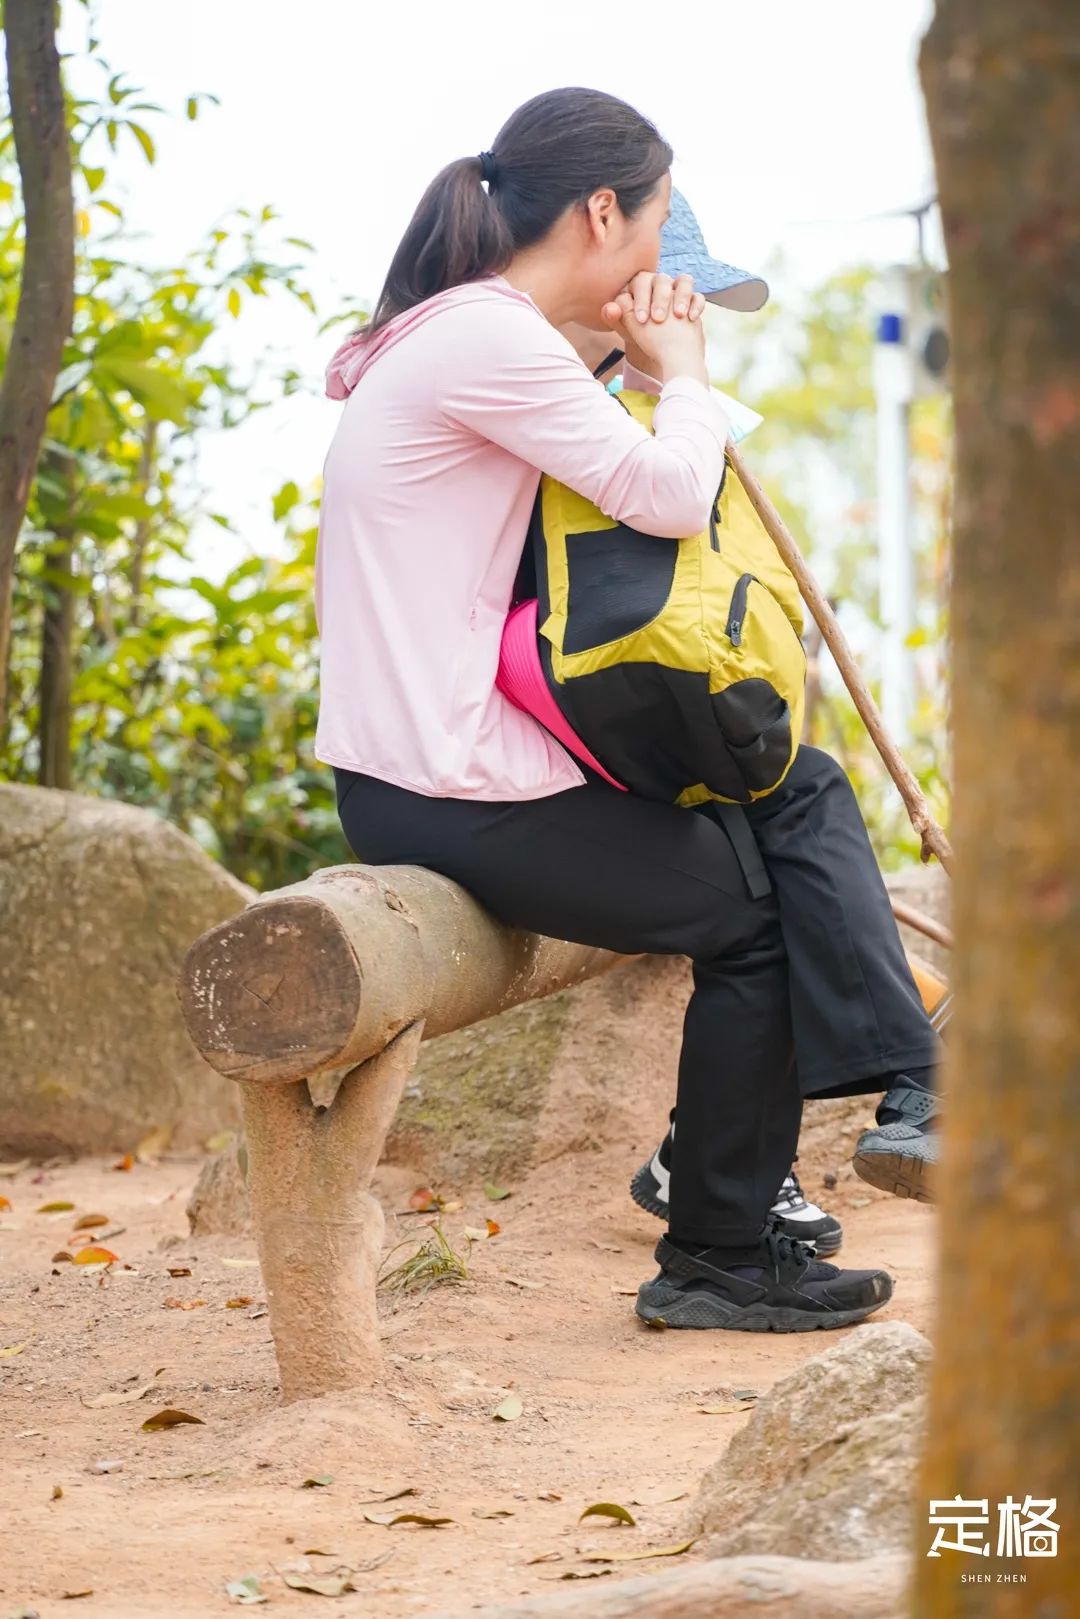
(316, 999)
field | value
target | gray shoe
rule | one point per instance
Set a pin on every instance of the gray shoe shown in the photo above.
(900, 1156)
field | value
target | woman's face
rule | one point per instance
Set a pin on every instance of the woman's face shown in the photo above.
(617, 248)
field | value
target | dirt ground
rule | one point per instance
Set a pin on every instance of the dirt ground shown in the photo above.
(611, 1410)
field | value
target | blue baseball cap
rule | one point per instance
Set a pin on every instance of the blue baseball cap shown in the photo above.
(683, 252)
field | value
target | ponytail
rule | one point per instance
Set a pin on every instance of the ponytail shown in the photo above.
(457, 234)
(551, 154)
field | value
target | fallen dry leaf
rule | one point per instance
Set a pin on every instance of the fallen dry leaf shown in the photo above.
(55, 1208)
(495, 1512)
(13, 1349)
(183, 1304)
(57, 1493)
(318, 1483)
(545, 1557)
(9, 1171)
(494, 1193)
(241, 1264)
(604, 1247)
(73, 1596)
(128, 1162)
(727, 1408)
(92, 1254)
(391, 1495)
(169, 1418)
(509, 1410)
(424, 1519)
(656, 1497)
(641, 1556)
(238, 1304)
(493, 1228)
(101, 1402)
(549, 1495)
(152, 1146)
(425, 1201)
(111, 1465)
(608, 1509)
(5, 1203)
(323, 1585)
(88, 1222)
(179, 1270)
(475, 1233)
(59, 1257)
(578, 1574)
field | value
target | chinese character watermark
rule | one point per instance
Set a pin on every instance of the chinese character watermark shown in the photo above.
(1024, 1528)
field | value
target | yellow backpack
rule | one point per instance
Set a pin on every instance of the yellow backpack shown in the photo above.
(677, 662)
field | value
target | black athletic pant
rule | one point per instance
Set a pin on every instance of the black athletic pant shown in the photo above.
(608, 869)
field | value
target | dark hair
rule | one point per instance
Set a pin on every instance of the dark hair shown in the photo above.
(551, 153)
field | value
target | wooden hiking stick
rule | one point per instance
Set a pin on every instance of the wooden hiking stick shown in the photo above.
(934, 841)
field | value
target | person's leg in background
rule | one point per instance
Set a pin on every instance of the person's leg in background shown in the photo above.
(595, 866)
(858, 1019)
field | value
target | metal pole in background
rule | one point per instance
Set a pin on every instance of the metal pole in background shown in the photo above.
(894, 387)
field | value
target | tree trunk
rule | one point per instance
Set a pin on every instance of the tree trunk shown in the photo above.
(46, 291)
(1002, 83)
(57, 628)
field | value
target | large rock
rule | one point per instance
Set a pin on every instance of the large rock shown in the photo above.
(98, 903)
(826, 1462)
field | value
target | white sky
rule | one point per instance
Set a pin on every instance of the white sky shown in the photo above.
(790, 123)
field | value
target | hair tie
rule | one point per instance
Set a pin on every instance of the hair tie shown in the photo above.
(487, 167)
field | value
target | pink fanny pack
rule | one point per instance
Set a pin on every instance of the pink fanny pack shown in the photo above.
(521, 679)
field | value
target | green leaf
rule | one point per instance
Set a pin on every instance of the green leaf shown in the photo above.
(494, 1193)
(144, 141)
(286, 498)
(160, 395)
(233, 302)
(245, 1591)
(94, 178)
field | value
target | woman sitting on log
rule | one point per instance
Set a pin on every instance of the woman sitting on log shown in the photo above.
(857, 1013)
(460, 393)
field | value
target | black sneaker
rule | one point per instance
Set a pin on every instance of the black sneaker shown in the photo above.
(780, 1287)
(799, 1219)
(899, 1155)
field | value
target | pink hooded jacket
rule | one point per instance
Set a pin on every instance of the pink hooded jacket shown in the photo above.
(452, 412)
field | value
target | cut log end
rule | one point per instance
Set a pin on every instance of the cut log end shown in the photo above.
(278, 982)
